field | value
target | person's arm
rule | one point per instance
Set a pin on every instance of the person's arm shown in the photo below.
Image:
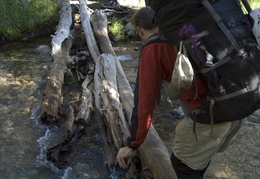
(134, 117)
(156, 63)
(144, 103)
(150, 78)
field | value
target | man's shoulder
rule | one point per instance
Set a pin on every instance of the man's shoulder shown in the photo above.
(159, 44)
(158, 37)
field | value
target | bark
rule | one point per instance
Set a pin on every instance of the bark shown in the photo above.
(153, 150)
(74, 127)
(110, 109)
(52, 97)
(99, 22)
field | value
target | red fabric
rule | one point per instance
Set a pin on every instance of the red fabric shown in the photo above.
(156, 64)
(190, 94)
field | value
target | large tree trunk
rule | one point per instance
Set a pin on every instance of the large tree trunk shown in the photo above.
(52, 97)
(153, 150)
(110, 107)
(63, 29)
(85, 22)
(99, 22)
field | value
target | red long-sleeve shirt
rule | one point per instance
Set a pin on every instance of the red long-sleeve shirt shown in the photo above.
(156, 64)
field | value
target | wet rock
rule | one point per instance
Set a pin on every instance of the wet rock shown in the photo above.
(129, 30)
(42, 49)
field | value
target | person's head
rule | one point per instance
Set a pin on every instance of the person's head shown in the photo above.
(144, 20)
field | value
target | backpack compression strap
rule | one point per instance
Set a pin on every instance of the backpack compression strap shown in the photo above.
(220, 23)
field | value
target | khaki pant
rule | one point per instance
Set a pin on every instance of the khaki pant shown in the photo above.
(197, 154)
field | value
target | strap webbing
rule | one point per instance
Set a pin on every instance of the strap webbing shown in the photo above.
(216, 65)
(231, 95)
(220, 23)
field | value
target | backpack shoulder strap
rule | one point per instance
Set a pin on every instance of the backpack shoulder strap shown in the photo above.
(159, 37)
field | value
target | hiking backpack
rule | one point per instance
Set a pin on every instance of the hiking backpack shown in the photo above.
(222, 49)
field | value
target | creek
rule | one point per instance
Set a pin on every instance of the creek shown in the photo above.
(24, 139)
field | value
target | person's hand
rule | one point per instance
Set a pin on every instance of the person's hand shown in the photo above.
(125, 156)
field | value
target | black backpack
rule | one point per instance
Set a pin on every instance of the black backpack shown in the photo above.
(222, 50)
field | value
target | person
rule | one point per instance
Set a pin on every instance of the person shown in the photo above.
(190, 157)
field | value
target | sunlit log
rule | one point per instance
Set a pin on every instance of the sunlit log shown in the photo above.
(63, 29)
(52, 97)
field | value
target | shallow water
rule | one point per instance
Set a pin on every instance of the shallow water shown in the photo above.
(24, 140)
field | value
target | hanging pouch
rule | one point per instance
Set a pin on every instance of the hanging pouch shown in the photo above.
(182, 75)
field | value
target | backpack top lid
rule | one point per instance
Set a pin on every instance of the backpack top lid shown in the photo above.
(255, 14)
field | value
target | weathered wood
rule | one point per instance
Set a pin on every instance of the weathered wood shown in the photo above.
(85, 22)
(110, 97)
(52, 97)
(91, 41)
(63, 28)
(111, 109)
(99, 23)
(56, 153)
(74, 126)
(86, 104)
(153, 150)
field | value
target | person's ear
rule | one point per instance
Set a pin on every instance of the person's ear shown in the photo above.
(140, 30)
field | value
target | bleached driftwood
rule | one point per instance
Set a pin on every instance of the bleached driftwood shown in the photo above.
(90, 39)
(99, 23)
(52, 97)
(108, 139)
(63, 28)
(111, 109)
(86, 25)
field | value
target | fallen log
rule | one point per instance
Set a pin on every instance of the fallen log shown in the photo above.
(63, 28)
(99, 23)
(86, 25)
(110, 109)
(52, 97)
(112, 127)
(153, 150)
(94, 51)
(91, 41)
(74, 127)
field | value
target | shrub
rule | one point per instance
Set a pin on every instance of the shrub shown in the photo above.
(116, 28)
(19, 16)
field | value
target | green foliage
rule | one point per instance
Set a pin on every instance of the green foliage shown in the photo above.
(19, 16)
(254, 3)
(116, 28)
